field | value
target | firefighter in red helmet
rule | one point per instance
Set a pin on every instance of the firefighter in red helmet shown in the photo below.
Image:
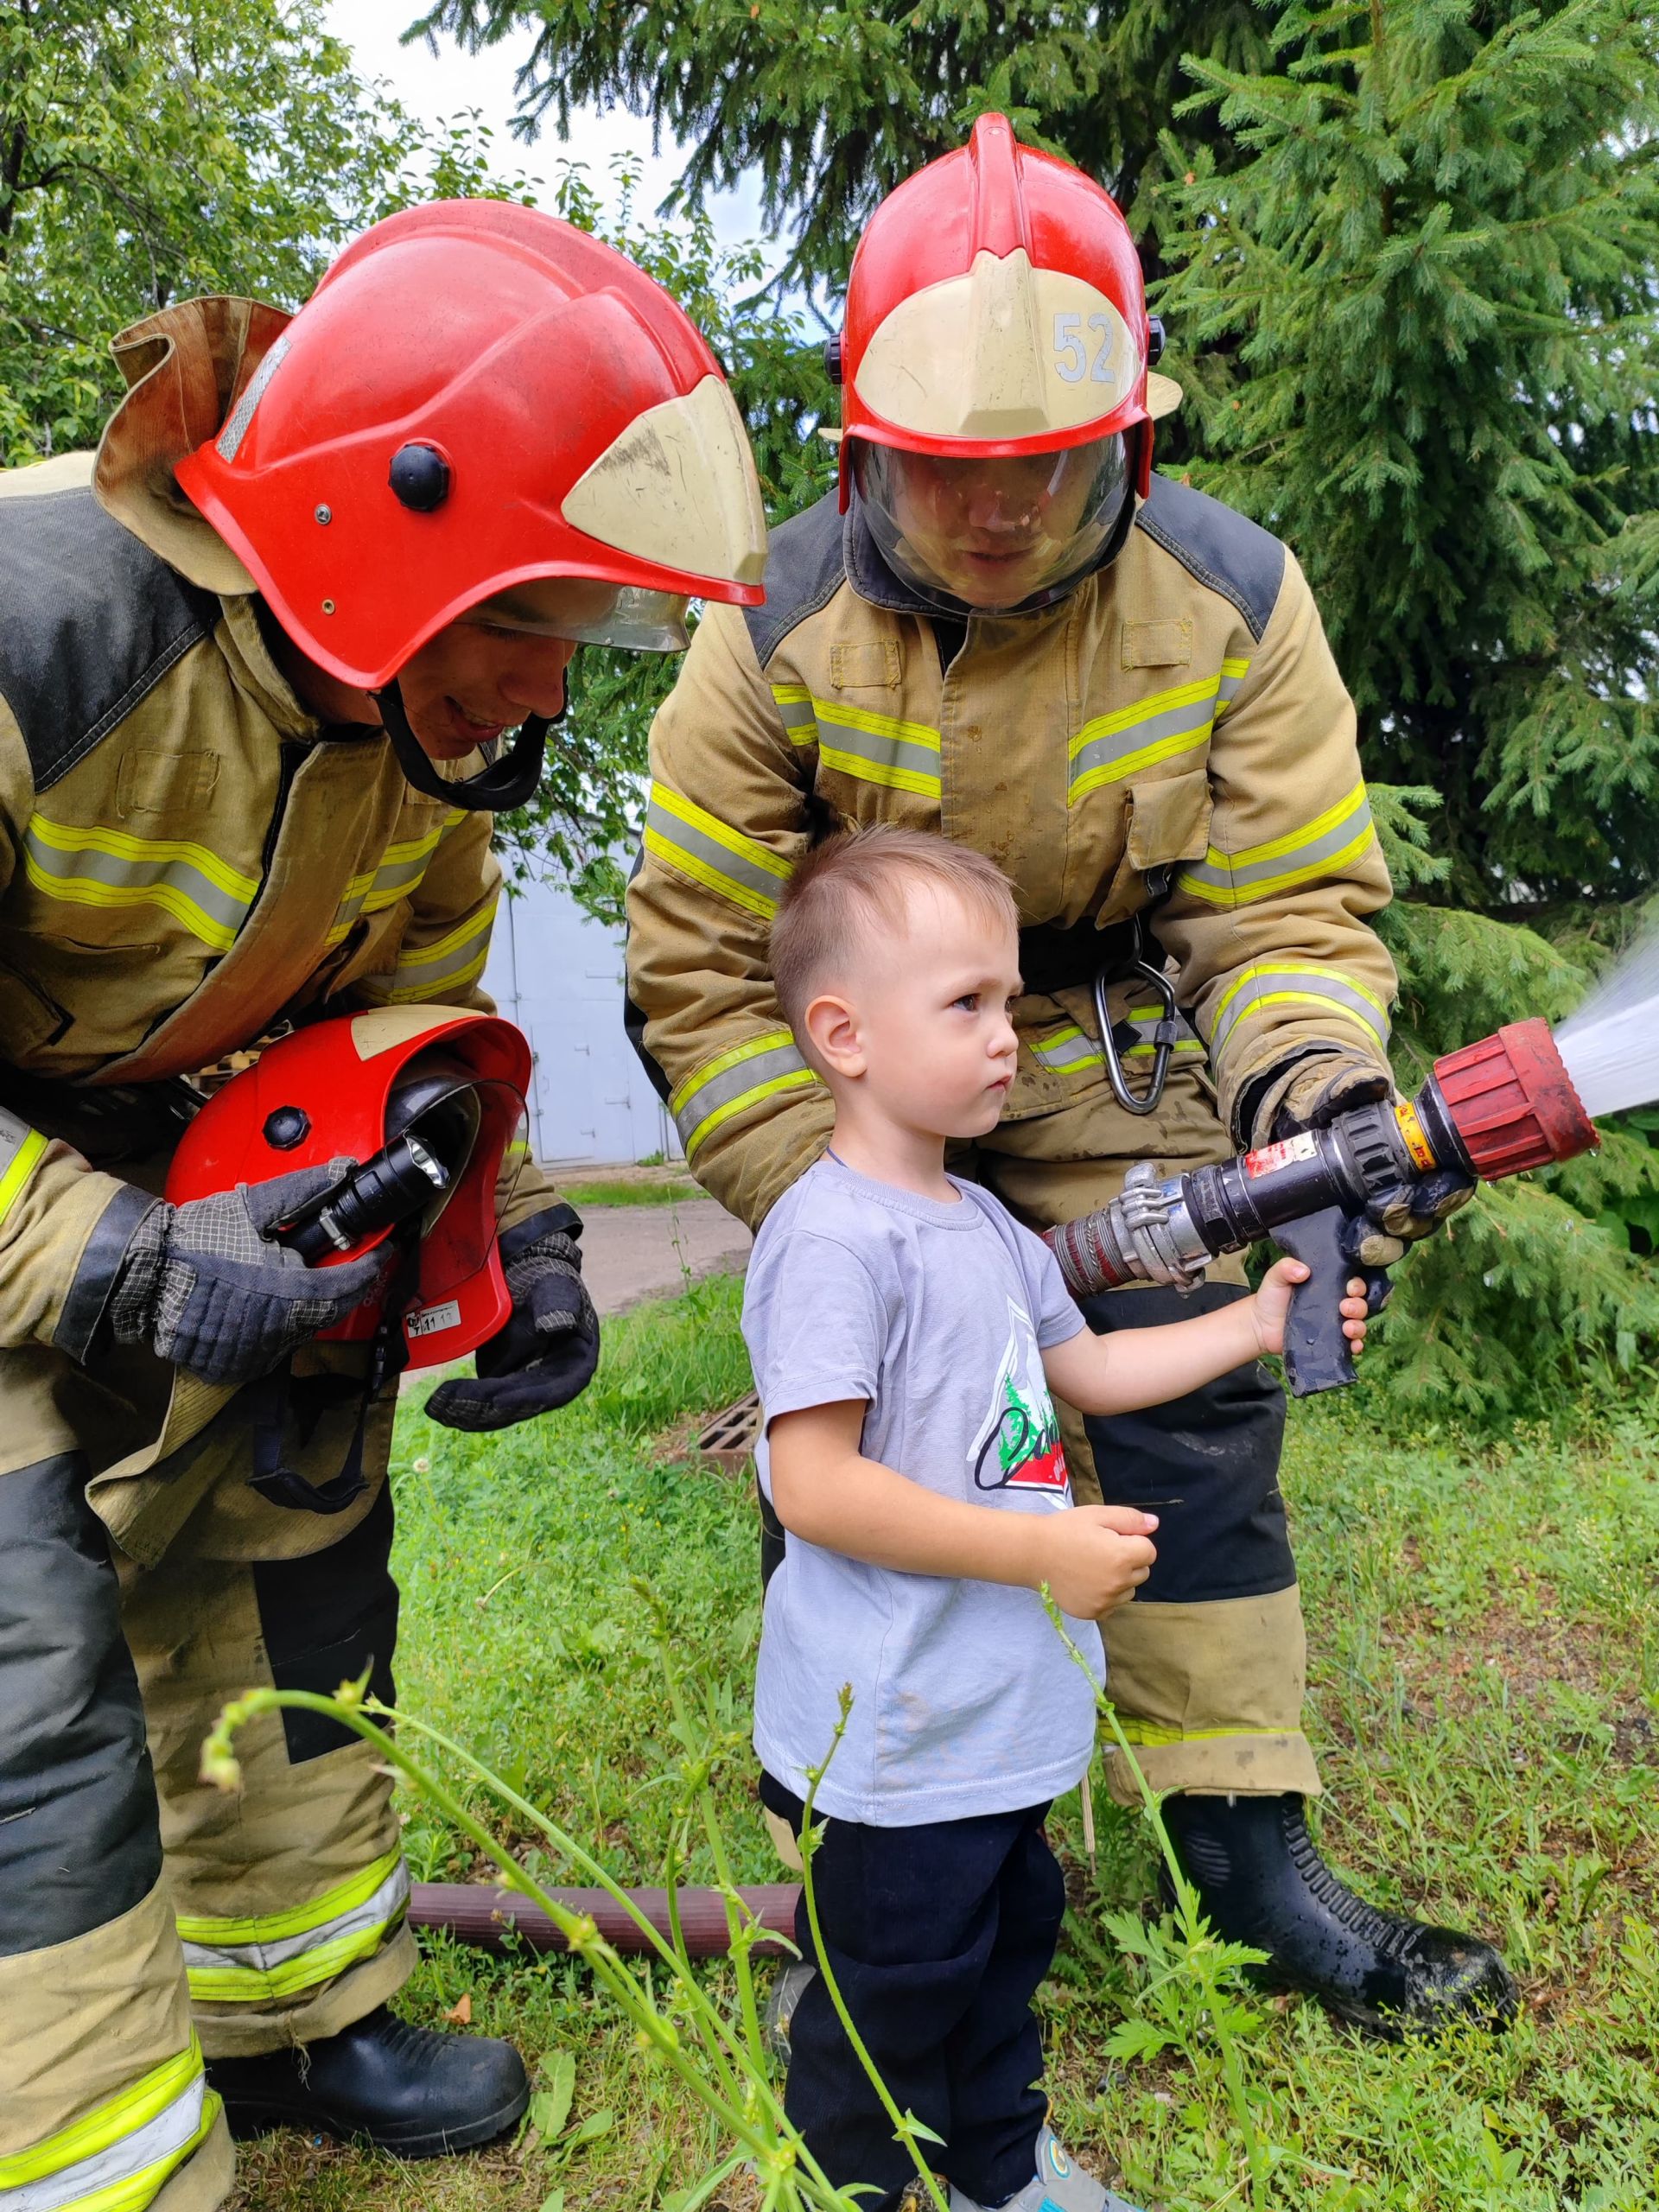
(267, 663)
(1007, 629)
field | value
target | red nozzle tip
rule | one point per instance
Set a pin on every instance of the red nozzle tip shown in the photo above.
(1512, 1101)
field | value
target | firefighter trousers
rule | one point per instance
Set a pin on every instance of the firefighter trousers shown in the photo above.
(148, 1918)
(1208, 1666)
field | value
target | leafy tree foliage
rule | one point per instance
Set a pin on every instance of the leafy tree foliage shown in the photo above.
(155, 148)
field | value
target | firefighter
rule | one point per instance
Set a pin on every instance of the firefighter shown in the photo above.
(1005, 629)
(260, 666)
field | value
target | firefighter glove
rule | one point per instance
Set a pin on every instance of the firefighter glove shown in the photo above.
(204, 1285)
(1311, 1091)
(1410, 1211)
(546, 1354)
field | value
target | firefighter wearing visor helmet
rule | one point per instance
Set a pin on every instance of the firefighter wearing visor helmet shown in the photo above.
(1005, 629)
(267, 663)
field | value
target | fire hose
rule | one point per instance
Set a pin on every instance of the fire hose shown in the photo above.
(500, 1920)
(1493, 1109)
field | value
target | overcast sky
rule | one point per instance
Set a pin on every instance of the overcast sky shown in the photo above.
(434, 86)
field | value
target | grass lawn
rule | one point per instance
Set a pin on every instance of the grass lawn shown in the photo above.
(639, 1193)
(1484, 1696)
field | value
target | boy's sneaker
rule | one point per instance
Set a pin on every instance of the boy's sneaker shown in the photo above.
(1059, 2184)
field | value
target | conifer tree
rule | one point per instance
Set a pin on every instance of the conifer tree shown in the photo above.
(832, 106)
(1416, 320)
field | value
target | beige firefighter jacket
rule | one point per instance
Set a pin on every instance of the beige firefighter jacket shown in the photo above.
(188, 860)
(1177, 723)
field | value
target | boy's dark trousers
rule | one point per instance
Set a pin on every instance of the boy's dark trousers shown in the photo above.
(937, 1937)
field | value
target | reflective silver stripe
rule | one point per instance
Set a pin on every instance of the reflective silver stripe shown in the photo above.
(1290, 989)
(688, 837)
(728, 1086)
(448, 964)
(265, 1958)
(875, 748)
(1066, 1052)
(1119, 744)
(1322, 847)
(110, 867)
(22, 1150)
(795, 709)
(150, 2153)
(230, 437)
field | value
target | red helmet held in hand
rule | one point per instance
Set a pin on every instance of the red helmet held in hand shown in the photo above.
(425, 1104)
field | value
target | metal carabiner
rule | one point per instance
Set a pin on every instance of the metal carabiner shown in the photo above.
(1164, 1034)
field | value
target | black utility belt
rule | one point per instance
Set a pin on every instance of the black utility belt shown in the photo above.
(1054, 958)
(105, 1123)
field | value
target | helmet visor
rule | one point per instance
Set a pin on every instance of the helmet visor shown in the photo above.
(993, 535)
(588, 612)
(475, 1131)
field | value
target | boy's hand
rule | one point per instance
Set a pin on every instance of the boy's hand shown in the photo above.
(1271, 1306)
(1095, 1557)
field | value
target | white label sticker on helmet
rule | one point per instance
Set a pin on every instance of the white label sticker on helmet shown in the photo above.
(429, 1320)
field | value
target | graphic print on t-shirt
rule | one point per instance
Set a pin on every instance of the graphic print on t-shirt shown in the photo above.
(1018, 1446)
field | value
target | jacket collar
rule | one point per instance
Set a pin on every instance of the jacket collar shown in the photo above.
(185, 369)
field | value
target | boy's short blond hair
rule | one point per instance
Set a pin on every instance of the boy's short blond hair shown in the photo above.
(855, 883)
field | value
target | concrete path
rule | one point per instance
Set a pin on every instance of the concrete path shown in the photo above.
(631, 1253)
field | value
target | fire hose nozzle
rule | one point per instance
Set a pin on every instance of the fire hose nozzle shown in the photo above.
(1508, 1102)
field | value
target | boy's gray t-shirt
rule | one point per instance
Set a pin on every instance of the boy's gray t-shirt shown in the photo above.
(964, 1698)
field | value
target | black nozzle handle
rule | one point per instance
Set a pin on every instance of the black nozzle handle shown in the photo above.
(1318, 1356)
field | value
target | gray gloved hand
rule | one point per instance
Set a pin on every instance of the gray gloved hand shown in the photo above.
(203, 1285)
(548, 1351)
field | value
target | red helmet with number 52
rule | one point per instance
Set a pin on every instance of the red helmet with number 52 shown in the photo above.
(996, 312)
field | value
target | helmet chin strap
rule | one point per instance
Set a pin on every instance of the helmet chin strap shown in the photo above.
(510, 780)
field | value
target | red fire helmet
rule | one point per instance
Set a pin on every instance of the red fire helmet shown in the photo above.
(347, 1089)
(995, 309)
(477, 398)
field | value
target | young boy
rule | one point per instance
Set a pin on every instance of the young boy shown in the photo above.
(905, 1331)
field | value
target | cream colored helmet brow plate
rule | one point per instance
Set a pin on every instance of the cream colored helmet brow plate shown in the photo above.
(678, 488)
(1007, 351)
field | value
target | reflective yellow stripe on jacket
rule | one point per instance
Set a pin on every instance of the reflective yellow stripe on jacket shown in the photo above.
(875, 748)
(1069, 1050)
(21, 1148)
(398, 875)
(1325, 846)
(117, 2158)
(108, 868)
(699, 844)
(1116, 746)
(260, 1961)
(424, 973)
(736, 1081)
(1281, 983)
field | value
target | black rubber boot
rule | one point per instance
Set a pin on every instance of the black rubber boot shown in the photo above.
(407, 2089)
(1262, 1882)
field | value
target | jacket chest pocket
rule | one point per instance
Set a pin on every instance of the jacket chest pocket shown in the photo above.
(1167, 820)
